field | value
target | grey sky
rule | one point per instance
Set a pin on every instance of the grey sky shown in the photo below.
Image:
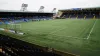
(33, 5)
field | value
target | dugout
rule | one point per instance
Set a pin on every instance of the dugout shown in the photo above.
(81, 13)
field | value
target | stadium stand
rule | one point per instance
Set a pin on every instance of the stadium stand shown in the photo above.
(86, 13)
(14, 47)
(19, 16)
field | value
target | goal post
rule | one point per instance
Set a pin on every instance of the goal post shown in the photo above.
(16, 27)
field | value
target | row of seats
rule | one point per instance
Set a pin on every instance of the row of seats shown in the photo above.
(15, 47)
(7, 21)
(80, 16)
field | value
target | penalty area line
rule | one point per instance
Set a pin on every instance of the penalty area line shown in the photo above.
(91, 30)
(66, 36)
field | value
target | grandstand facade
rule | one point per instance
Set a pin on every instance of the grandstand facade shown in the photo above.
(80, 13)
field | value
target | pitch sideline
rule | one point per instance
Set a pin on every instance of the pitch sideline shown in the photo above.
(91, 30)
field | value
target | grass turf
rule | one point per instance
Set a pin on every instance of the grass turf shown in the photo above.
(65, 35)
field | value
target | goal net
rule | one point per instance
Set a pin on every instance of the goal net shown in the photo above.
(16, 27)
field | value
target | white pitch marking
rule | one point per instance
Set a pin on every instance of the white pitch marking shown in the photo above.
(60, 35)
(91, 30)
(57, 30)
(65, 36)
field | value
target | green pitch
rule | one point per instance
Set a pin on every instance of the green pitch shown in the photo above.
(81, 37)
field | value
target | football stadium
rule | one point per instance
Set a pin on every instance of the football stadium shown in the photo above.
(69, 32)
